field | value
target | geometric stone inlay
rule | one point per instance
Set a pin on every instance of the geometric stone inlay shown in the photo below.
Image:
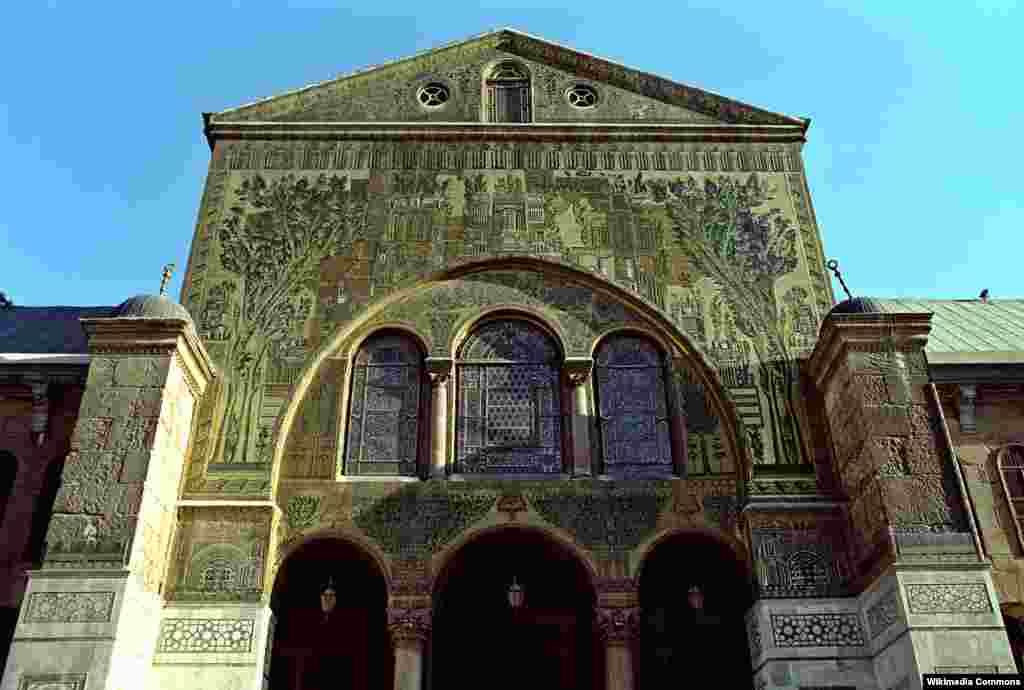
(61, 681)
(969, 597)
(817, 630)
(69, 607)
(205, 635)
(883, 613)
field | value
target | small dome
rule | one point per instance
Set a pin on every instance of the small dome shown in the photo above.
(857, 305)
(151, 307)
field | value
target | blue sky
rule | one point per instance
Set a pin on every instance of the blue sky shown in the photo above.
(913, 154)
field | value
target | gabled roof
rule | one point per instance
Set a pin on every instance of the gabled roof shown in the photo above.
(582, 64)
(45, 330)
(968, 331)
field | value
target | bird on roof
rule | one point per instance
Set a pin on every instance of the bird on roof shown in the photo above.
(984, 295)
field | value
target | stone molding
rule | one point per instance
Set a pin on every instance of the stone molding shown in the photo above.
(133, 336)
(53, 681)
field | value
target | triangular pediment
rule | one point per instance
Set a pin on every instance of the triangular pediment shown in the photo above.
(391, 92)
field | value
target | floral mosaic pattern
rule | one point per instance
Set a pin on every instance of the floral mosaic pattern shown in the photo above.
(817, 630)
(968, 597)
(205, 635)
(69, 607)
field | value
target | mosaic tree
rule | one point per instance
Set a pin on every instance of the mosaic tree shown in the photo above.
(744, 248)
(273, 239)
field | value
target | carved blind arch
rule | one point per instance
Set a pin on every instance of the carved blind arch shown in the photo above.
(385, 403)
(509, 403)
(1010, 464)
(508, 93)
(632, 407)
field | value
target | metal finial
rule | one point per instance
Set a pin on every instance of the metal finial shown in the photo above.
(168, 270)
(833, 266)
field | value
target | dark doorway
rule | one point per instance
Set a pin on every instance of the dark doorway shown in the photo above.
(480, 640)
(347, 648)
(694, 638)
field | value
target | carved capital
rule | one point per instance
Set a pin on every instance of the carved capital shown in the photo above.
(617, 626)
(439, 369)
(577, 370)
(409, 627)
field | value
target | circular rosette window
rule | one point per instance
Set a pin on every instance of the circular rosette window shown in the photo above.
(581, 96)
(434, 95)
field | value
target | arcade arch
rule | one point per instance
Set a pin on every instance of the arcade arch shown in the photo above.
(330, 604)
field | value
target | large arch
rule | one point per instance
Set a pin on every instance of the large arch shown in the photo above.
(548, 641)
(695, 588)
(648, 314)
(317, 646)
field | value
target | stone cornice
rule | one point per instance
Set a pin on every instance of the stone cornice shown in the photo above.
(135, 336)
(513, 132)
(851, 332)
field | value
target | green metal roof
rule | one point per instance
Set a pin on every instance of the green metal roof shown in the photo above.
(969, 331)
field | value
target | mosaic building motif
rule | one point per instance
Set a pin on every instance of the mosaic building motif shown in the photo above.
(717, 252)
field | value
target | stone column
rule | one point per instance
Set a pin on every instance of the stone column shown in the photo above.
(439, 371)
(577, 374)
(915, 548)
(618, 627)
(409, 630)
(93, 609)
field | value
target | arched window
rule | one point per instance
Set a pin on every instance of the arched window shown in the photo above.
(508, 94)
(632, 407)
(8, 472)
(1010, 461)
(384, 407)
(509, 418)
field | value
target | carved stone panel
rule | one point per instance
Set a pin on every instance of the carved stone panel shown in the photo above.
(69, 607)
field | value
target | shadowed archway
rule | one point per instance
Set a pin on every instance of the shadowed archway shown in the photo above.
(693, 637)
(480, 640)
(348, 647)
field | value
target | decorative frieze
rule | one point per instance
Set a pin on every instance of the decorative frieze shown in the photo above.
(817, 630)
(53, 681)
(69, 607)
(184, 635)
(964, 597)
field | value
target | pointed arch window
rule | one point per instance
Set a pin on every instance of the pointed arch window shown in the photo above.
(509, 407)
(385, 406)
(508, 94)
(632, 406)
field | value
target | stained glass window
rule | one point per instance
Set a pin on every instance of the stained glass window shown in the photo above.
(509, 417)
(632, 407)
(384, 412)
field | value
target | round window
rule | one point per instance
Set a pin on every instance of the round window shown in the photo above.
(434, 95)
(582, 96)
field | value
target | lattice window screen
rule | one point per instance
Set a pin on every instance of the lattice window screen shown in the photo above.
(632, 407)
(509, 418)
(384, 408)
